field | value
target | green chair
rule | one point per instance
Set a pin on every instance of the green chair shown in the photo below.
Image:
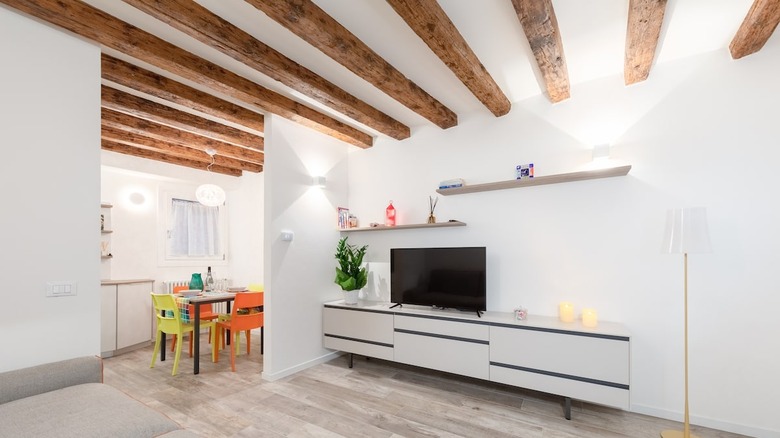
(169, 321)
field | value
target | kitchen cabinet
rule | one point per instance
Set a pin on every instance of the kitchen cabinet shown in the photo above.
(126, 315)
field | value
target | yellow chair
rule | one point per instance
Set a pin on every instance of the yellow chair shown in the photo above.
(246, 315)
(169, 321)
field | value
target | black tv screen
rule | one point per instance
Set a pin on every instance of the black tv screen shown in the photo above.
(441, 277)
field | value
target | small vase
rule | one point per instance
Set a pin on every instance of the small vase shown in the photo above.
(431, 219)
(196, 283)
(351, 297)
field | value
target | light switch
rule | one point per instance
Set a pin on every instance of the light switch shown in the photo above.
(287, 236)
(60, 289)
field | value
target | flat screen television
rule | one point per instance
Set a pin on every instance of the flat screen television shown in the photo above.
(441, 277)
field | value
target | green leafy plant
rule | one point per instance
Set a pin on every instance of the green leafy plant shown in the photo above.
(349, 273)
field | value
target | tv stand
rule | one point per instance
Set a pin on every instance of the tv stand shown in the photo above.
(541, 353)
(394, 306)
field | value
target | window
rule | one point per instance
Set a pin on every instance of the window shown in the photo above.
(192, 233)
(194, 230)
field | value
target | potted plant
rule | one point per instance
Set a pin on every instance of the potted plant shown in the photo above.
(350, 274)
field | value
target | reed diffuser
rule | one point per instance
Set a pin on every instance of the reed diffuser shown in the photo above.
(432, 204)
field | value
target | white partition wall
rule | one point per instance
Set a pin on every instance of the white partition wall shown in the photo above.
(50, 179)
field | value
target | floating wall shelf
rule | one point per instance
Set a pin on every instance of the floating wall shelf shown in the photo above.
(406, 227)
(538, 181)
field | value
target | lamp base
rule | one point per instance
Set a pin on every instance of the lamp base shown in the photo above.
(676, 434)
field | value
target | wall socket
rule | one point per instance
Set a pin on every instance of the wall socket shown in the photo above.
(60, 288)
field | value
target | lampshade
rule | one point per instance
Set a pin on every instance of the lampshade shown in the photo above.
(210, 195)
(687, 231)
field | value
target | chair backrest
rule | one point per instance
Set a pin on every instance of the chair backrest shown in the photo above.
(177, 289)
(255, 287)
(168, 318)
(246, 314)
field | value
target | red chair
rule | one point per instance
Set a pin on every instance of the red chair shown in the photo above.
(206, 314)
(246, 315)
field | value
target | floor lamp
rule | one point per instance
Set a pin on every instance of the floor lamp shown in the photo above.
(686, 232)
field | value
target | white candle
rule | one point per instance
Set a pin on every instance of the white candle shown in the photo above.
(590, 318)
(566, 311)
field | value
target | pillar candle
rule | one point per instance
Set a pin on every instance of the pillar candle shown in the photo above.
(590, 318)
(566, 311)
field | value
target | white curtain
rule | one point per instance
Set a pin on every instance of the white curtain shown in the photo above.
(194, 230)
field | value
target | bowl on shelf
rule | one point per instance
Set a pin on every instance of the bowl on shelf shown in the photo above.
(189, 293)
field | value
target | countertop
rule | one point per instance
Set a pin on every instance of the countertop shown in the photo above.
(117, 282)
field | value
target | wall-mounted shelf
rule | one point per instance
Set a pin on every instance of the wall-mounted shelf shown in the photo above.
(106, 231)
(538, 181)
(105, 205)
(406, 227)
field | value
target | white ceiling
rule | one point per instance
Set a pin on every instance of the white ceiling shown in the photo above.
(593, 34)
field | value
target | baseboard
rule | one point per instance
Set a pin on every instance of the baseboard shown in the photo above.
(706, 422)
(300, 367)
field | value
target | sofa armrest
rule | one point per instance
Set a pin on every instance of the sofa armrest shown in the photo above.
(39, 379)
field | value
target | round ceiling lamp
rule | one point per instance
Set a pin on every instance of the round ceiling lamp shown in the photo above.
(210, 195)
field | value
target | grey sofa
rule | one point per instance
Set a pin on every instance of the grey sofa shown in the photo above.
(68, 399)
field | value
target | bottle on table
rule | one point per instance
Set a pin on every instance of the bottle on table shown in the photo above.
(209, 281)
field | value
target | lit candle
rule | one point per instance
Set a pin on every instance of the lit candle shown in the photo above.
(566, 311)
(590, 318)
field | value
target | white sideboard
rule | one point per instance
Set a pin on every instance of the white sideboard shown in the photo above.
(541, 353)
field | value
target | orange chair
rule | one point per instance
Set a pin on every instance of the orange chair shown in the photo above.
(206, 314)
(245, 316)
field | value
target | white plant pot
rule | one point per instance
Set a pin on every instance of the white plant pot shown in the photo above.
(351, 297)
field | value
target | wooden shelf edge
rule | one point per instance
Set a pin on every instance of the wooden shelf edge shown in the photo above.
(105, 205)
(538, 181)
(406, 227)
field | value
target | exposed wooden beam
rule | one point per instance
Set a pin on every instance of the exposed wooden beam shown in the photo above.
(146, 128)
(147, 82)
(207, 27)
(138, 140)
(541, 29)
(759, 24)
(96, 25)
(645, 18)
(312, 24)
(157, 156)
(146, 109)
(429, 21)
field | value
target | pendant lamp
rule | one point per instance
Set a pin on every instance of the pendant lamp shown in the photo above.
(210, 195)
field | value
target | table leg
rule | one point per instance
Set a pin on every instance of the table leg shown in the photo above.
(162, 342)
(227, 332)
(196, 339)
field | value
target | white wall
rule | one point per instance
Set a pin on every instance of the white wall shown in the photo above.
(136, 226)
(699, 132)
(50, 124)
(299, 274)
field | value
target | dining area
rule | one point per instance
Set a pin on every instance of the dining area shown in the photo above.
(224, 315)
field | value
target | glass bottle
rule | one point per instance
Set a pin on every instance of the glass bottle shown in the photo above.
(390, 215)
(196, 282)
(209, 281)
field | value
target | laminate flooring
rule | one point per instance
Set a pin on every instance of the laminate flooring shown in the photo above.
(374, 399)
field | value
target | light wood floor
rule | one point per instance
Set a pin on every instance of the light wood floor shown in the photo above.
(373, 399)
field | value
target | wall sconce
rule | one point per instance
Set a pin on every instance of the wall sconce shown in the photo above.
(601, 152)
(318, 181)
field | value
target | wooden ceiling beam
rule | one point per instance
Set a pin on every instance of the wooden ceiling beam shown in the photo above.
(429, 21)
(313, 25)
(105, 29)
(138, 140)
(210, 29)
(146, 109)
(146, 128)
(645, 18)
(755, 30)
(131, 76)
(541, 28)
(113, 146)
